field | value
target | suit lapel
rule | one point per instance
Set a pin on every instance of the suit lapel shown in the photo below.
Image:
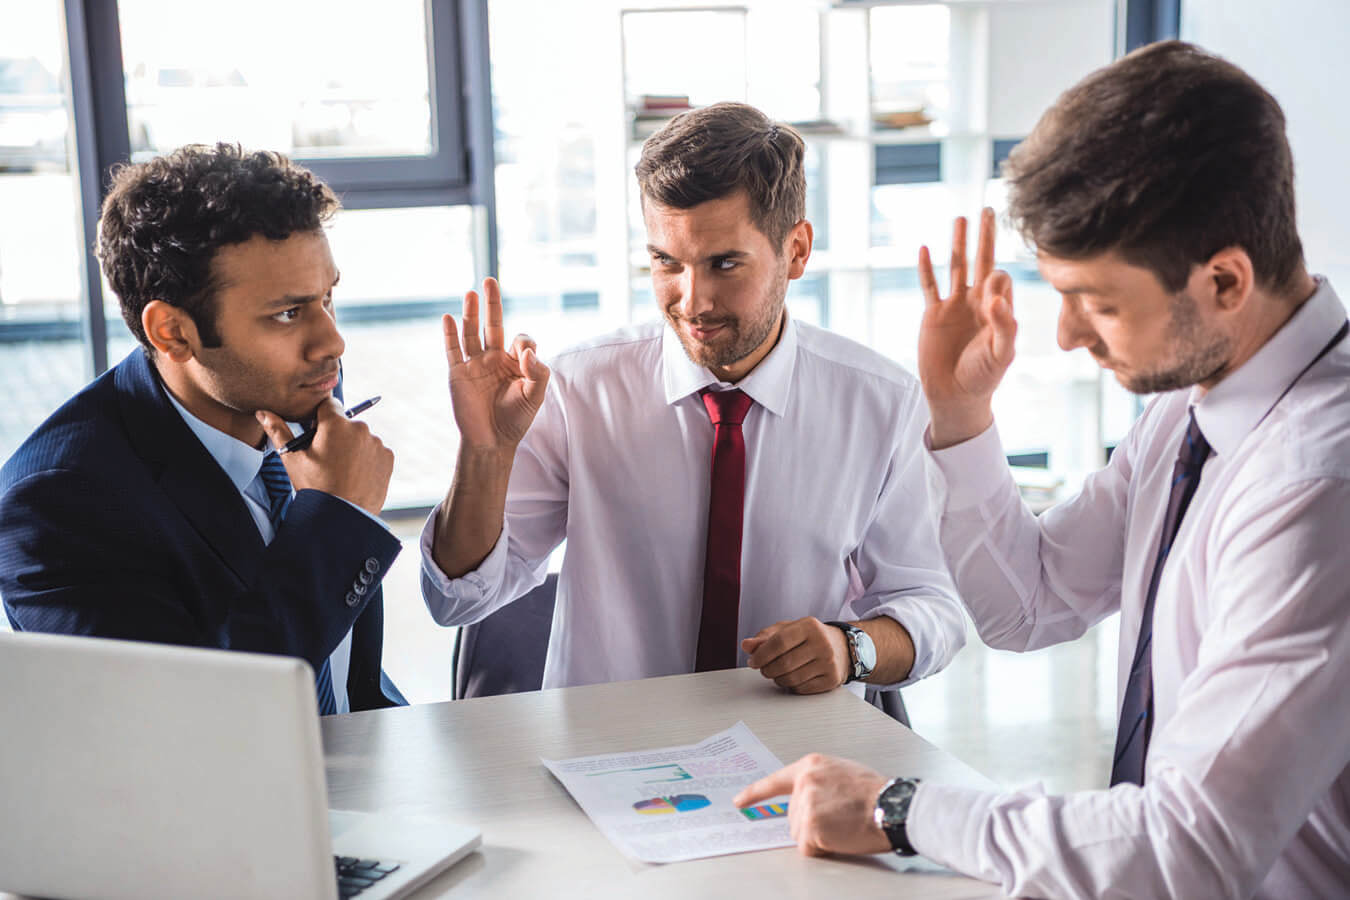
(186, 472)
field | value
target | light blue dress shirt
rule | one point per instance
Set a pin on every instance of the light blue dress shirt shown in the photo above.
(243, 465)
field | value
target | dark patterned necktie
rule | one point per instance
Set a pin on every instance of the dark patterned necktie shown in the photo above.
(718, 624)
(278, 485)
(1136, 710)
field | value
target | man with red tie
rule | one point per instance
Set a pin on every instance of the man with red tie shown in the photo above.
(735, 487)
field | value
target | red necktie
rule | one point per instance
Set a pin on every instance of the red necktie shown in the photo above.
(718, 626)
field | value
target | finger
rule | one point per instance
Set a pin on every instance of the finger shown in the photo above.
(535, 375)
(927, 280)
(958, 267)
(984, 251)
(496, 334)
(774, 785)
(801, 675)
(278, 433)
(801, 655)
(750, 644)
(453, 355)
(473, 343)
(999, 313)
(818, 685)
(775, 645)
(519, 345)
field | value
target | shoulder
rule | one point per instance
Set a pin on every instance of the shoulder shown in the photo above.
(80, 434)
(845, 361)
(1307, 435)
(636, 347)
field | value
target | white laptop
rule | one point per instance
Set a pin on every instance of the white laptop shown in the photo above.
(130, 769)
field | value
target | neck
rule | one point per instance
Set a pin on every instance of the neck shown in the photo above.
(1270, 313)
(188, 391)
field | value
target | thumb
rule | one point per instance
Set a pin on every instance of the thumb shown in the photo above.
(536, 376)
(274, 427)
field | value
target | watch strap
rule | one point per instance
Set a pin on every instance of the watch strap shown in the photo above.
(853, 663)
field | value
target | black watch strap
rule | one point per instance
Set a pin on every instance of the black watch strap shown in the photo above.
(892, 813)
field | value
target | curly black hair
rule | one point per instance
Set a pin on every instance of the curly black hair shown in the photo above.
(164, 220)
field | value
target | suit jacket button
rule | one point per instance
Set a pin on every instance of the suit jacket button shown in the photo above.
(352, 599)
(372, 565)
(365, 577)
(358, 588)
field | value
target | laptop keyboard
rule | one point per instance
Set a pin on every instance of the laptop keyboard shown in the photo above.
(355, 875)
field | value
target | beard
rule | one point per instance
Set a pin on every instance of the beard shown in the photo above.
(1196, 355)
(739, 336)
(241, 386)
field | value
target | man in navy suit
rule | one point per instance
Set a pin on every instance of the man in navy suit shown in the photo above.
(152, 506)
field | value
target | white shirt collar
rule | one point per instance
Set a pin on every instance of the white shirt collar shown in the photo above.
(769, 384)
(240, 461)
(1237, 404)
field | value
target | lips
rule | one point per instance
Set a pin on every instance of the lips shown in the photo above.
(706, 331)
(326, 383)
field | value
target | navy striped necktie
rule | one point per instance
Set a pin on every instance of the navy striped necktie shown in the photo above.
(1136, 710)
(278, 484)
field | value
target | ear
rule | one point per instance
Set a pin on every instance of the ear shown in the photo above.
(1228, 277)
(798, 247)
(170, 330)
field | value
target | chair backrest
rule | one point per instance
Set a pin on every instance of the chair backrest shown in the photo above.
(504, 653)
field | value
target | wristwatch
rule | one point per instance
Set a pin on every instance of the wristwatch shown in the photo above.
(893, 810)
(862, 653)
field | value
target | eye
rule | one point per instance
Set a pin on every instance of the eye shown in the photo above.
(287, 315)
(725, 264)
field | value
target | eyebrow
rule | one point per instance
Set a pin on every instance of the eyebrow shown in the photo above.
(726, 254)
(297, 299)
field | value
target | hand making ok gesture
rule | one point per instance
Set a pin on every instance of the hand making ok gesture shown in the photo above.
(966, 340)
(495, 391)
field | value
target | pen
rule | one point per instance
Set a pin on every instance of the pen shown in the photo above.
(306, 437)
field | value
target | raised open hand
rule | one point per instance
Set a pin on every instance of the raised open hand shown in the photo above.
(495, 391)
(966, 340)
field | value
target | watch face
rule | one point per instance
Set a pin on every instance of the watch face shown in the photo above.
(895, 800)
(867, 651)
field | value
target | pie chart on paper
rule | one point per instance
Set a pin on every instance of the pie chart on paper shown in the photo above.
(677, 803)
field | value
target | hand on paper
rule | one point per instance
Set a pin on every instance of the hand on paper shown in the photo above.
(831, 810)
(495, 390)
(966, 340)
(805, 656)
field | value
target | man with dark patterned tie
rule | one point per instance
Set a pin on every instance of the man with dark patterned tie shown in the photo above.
(1159, 194)
(735, 487)
(152, 505)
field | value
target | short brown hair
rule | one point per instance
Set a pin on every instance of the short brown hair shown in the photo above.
(710, 153)
(1166, 156)
(163, 221)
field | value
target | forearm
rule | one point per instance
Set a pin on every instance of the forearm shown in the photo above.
(895, 649)
(469, 521)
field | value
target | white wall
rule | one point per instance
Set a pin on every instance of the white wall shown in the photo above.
(1296, 49)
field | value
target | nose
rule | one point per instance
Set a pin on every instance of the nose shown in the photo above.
(1074, 330)
(695, 294)
(326, 342)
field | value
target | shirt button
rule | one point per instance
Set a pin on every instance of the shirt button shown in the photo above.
(372, 565)
(352, 599)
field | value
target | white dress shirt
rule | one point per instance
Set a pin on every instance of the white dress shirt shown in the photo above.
(1247, 786)
(243, 465)
(618, 462)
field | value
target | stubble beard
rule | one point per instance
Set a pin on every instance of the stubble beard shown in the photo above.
(1198, 356)
(740, 337)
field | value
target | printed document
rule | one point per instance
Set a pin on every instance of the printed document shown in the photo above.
(674, 804)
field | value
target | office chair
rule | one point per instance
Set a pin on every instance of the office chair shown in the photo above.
(523, 627)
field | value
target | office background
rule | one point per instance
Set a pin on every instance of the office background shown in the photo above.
(474, 137)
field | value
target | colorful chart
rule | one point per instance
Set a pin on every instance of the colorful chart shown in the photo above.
(657, 806)
(766, 811)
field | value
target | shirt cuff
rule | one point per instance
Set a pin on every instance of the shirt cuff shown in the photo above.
(445, 595)
(970, 472)
(948, 825)
(919, 616)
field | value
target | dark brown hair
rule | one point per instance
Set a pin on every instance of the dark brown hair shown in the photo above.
(709, 153)
(164, 220)
(1166, 156)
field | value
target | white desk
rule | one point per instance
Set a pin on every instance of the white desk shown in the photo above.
(477, 761)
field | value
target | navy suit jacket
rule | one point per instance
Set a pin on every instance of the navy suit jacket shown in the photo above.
(115, 521)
